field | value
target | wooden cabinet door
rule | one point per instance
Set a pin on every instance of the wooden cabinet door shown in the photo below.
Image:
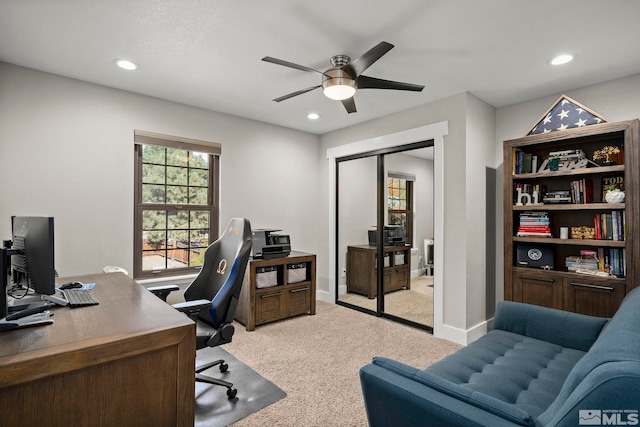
(299, 300)
(538, 289)
(269, 305)
(592, 297)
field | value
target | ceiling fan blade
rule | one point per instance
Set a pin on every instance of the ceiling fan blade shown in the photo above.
(290, 64)
(358, 65)
(349, 105)
(366, 82)
(296, 93)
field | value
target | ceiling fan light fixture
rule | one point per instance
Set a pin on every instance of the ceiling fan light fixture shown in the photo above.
(337, 84)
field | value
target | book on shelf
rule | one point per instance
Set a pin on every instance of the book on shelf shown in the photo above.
(582, 191)
(610, 226)
(524, 162)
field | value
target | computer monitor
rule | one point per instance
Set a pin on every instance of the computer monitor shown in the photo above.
(34, 268)
(28, 257)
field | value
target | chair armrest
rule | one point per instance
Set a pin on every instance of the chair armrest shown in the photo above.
(163, 291)
(559, 327)
(192, 308)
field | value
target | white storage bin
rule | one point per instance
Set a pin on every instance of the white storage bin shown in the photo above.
(266, 277)
(297, 272)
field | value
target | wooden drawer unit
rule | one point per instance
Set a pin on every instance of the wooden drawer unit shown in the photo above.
(537, 287)
(292, 293)
(361, 269)
(589, 296)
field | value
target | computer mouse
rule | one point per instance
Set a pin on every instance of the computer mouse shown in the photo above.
(71, 285)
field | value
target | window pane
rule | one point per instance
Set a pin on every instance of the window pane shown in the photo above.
(199, 177)
(178, 220)
(177, 195)
(196, 257)
(199, 160)
(152, 174)
(152, 240)
(153, 154)
(153, 193)
(200, 219)
(153, 220)
(176, 176)
(177, 157)
(199, 238)
(198, 196)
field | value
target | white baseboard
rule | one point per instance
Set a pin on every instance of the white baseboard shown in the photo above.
(461, 336)
(324, 296)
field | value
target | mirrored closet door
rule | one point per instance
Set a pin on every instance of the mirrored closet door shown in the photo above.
(384, 215)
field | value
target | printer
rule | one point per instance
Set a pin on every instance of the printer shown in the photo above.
(267, 245)
(394, 235)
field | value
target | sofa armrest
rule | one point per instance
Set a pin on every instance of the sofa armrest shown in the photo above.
(559, 327)
(395, 399)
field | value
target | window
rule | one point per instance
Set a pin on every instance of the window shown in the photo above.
(399, 204)
(176, 212)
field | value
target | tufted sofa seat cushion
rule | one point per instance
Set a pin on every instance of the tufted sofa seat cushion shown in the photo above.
(524, 372)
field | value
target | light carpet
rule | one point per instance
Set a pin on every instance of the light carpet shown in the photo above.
(316, 359)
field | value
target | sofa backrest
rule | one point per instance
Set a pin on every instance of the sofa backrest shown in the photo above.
(617, 351)
(558, 327)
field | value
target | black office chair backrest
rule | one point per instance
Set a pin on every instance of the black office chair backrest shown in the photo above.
(225, 262)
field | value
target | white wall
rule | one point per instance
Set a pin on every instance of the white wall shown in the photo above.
(66, 150)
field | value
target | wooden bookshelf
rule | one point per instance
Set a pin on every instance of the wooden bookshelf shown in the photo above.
(554, 285)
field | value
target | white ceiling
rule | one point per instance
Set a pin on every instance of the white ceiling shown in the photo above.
(207, 53)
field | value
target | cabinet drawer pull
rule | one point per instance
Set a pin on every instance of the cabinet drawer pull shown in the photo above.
(271, 295)
(538, 279)
(299, 290)
(582, 285)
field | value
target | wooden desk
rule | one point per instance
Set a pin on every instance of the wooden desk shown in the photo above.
(128, 361)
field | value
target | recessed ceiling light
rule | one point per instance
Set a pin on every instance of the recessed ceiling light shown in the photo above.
(126, 65)
(313, 116)
(561, 59)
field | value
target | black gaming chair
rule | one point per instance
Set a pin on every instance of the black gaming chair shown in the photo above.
(213, 295)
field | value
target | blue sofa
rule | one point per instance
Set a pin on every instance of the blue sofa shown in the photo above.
(537, 367)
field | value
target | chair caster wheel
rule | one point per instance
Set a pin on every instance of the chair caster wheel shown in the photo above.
(231, 393)
(224, 367)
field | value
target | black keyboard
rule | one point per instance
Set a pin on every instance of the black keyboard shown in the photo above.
(80, 297)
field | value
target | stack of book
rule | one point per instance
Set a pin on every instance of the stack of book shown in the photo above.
(587, 262)
(534, 224)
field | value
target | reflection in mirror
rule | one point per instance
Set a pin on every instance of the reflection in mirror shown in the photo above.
(408, 220)
(357, 184)
(409, 178)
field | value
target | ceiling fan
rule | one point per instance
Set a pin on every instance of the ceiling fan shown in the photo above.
(341, 81)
